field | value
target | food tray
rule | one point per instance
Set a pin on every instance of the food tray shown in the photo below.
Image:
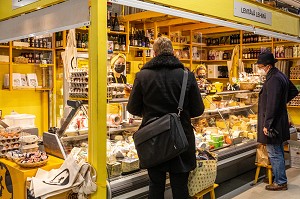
(32, 165)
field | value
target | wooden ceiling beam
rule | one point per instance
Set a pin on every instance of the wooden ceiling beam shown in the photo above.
(215, 30)
(195, 26)
(141, 16)
(172, 22)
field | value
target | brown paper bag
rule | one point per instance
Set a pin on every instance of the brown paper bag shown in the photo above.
(262, 155)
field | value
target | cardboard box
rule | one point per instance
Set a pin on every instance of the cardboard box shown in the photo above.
(4, 58)
(294, 153)
(21, 44)
(212, 71)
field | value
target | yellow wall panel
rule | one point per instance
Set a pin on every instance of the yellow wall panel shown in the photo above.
(281, 22)
(6, 10)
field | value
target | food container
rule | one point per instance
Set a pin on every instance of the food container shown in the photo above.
(247, 86)
(20, 120)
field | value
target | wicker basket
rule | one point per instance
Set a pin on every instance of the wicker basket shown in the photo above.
(32, 165)
(247, 86)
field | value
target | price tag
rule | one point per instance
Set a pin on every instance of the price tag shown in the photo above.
(43, 65)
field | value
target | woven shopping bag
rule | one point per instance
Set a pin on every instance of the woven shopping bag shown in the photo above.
(203, 176)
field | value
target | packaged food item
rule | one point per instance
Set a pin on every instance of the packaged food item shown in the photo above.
(129, 165)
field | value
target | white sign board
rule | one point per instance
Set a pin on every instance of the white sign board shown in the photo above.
(21, 3)
(253, 13)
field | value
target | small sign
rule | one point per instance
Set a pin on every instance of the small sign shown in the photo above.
(20, 3)
(253, 13)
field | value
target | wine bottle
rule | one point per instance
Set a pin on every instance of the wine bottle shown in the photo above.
(123, 43)
(79, 40)
(83, 41)
(116, 23)
(108, 20)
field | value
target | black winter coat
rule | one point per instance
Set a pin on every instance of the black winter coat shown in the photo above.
(277, 91)
(156, 92)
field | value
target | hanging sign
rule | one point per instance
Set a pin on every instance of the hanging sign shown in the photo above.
(20, 3)
(247, 11)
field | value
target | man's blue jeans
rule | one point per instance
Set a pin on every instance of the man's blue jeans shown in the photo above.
(276, 155)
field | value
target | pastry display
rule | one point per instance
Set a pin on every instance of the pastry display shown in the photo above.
(31, 159)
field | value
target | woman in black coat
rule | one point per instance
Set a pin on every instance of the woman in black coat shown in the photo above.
(277, 91)
(156, 92)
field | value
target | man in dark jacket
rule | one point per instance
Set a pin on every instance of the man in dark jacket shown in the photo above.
(273, 124)
(156, 92)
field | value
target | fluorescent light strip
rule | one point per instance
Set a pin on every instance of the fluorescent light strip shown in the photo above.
(183, 14)
(47, 32)
(187, 15)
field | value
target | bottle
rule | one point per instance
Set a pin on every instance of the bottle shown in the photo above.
(123, 43)
(116, 23)
(143, 38)
(79, 40)
(139, 39)
(86, 40)
(135, 38)
(108, 20)
(116, 44)
(122, 26)
(83, 40)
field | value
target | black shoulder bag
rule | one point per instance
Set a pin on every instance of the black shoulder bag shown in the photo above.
(163, 138)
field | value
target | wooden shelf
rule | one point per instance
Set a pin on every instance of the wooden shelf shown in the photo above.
(283, 42)
(293, 106)
(140, 48)
(82, 49)
(60, 48)
(31, 89)
(199, 44)
(117, 33)
(257, 44)
(295, 79)
(4, 63)
(226, 78)
(76, 98)
(215, 60)
(184, 59)
(30, 48)
(287, 58)
(33, 64)
(117, 51)
(223, 46)
(180, 44)
(4, 46)
(249, 59)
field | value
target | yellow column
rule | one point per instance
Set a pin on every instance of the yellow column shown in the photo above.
(97, 93)
(45, 113)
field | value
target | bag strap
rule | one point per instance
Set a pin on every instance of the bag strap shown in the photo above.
(182, 93)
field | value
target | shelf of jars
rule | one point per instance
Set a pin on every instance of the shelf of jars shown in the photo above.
(2, 46)
(222, 46)
(31, 48)
(257, 44)
(199, 44)
(139, 48)
(180, 44)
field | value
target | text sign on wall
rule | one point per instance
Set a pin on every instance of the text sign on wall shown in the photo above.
(253, 13)
(21, 3)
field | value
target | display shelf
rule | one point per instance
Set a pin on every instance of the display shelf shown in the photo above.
(215, 60)
(287, 58)
(184, 59)
(180, 44)
(228, 109)
(117, 52)
(59, 48)
(4, 63)
(117, 130)
(77, 98)
(223, 78)
(140, 48)
(74, 138)
(249, 59)
(82, 49)
(1, 46)
(33, 64)
(117, 100)
(295, 79)
(223, 46)
(257, 44)
(199, 44)
(31, 89)
(293, 106)
(232, 92)
(30, 48)
(116, 32)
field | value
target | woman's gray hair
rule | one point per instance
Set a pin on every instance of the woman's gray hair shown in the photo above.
(162, 45)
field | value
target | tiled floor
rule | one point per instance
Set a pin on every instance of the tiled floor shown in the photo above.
(258, 191)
